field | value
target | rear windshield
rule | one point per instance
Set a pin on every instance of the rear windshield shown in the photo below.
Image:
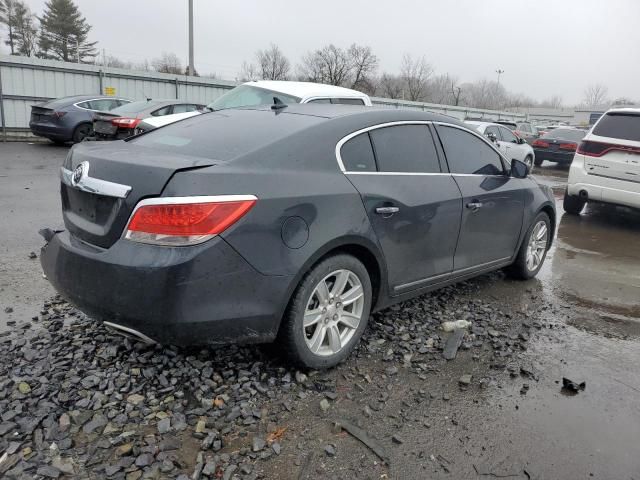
(566, 134)
(135, 107)
(225, 135)
(250, 96)
(619, 125)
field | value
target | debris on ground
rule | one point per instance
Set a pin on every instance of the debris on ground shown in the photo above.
(465, 380)
(366, 439)
(453, 343)
(455, 325)
(571, 386)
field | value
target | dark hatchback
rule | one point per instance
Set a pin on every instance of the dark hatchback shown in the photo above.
(70, 119)
(288, 223)
(558, 145)
(121, 122)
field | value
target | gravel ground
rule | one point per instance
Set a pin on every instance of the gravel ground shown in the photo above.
(79, 400)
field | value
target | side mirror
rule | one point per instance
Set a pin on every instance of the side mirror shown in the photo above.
(519, 169)
(521, 140)
(492, 137)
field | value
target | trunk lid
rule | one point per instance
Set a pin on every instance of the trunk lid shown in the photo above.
(102, 123)
(40, 113)
(615, 164)
(97, 213)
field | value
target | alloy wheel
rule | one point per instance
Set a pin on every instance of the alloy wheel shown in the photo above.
(334, 312)
(537, 245)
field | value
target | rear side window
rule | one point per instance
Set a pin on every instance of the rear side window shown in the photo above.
(405, 148)
(507, 136)
(347, 101)
(357, 154)
(619, 125)
(468, 154)
(162, 111)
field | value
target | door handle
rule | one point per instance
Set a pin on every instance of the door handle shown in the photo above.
(474, 206)
(387, 210)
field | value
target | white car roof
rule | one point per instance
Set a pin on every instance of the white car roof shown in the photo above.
(624, 110)
(307, 89)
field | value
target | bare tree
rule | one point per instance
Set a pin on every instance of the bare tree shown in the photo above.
(25, 30)
(167, 63)
(620, 101)
(554, 101)
(416, 75)
(330, 65)
(390, 86)
(273, 63)
(364, 65)
(485, 94)
(8, 18)
(595, 94)
(249, 72)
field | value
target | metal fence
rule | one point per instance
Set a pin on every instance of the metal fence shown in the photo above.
(26, 81)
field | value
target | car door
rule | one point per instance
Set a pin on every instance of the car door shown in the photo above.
(512, 149)
(412, 205)
(493, 202)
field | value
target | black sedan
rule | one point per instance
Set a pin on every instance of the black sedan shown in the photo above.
(558, 145)
(288, 223)
(121, 122)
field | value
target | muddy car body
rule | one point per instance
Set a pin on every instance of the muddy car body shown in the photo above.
(320, 215)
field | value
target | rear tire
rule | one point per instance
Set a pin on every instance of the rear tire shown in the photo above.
(328, 313)
(538, 161)
(573, 204)
(81, 131)
(533, 250)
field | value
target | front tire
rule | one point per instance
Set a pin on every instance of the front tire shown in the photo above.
(328, 313)
(572, 204)
(529, 161)
(533, 250)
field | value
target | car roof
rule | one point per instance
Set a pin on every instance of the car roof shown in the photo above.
(624, 110)
(373, 114)
(306, 89)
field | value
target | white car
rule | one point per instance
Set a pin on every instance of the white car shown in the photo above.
(265, 92)
(511, 146)
(606, 166)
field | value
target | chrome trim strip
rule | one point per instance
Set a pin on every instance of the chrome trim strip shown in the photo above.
(94, 185)
(348, 137)
(451, 274)
(183, 200)
(130, 331)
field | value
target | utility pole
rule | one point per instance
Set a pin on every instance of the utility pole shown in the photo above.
(191, 69)
(499, 72)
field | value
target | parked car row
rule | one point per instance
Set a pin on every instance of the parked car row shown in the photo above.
(108, 118)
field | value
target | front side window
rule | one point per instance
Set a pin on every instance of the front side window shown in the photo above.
(508, 136)
(357, 154)
(405, 148)
(467, 154)
(347, 101)
(320, 100)
(493, 130)
(162, 111)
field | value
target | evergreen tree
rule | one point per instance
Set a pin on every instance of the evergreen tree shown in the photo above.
(64, 32)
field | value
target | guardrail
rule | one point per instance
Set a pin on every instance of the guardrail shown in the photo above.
(25, 81)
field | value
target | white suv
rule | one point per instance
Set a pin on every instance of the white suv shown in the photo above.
(511, 145)
(606, 166)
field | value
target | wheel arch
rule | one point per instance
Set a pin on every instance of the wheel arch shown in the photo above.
(361, 248)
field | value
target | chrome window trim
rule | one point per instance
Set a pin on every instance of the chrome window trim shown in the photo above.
(184, 200)
(94, 185)
(348, 137)
(77, 104)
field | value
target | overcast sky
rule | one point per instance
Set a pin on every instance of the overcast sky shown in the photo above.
(545, 47)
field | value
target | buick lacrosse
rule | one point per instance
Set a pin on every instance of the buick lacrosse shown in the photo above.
(288, 224)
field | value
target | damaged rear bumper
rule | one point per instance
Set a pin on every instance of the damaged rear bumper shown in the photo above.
(204, 294)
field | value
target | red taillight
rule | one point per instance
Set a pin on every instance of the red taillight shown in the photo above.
(568, 146)
(598, 149)
(124, 122)
(59, 114)
(186, 220)
(540, 143)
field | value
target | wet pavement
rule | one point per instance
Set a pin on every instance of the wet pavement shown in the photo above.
(579, 319)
